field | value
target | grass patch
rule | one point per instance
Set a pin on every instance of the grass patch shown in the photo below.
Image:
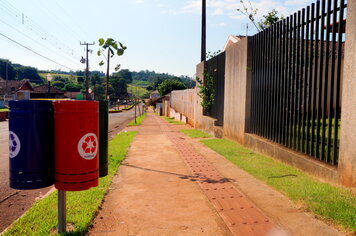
(140, 83)
(41, 218)
(68, 76)
(128, 107)
(173, 121)
(137, 91)
(195, 133)
(139, 120)
(330, 203)
(4, 109)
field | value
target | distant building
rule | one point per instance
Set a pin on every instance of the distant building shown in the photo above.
(154, 95)
(15, 89)
(43, 91)
(73, 95)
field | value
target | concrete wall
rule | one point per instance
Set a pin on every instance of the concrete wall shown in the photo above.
(303, 162)
(182, 101)
(180, 117)
(166, 108)
(237, 107)
(347, 156)
(237, 79)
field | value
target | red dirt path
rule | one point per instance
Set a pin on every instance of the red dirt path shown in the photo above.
(162, 189)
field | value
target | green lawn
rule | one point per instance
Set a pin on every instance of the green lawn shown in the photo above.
(334, 204)
(139, 120)
(140, 83)
(173, 121)
(195, 133)
(44, 75)
(41, 218)
(129, 107)
(136, 90)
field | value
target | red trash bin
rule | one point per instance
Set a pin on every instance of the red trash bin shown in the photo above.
(76, 126)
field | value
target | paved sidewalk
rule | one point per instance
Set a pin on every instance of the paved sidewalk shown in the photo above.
(170, 184)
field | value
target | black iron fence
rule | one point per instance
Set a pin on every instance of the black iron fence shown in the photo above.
(216, 68)
(296, 76)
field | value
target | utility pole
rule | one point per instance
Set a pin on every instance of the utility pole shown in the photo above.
(135, 107)
(203, 31)
(7, 77)
(87, 69)
(138, 101)
(107, 77)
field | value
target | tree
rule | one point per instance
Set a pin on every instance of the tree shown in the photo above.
(210, 54)
(95, 79)
(80, 79)
(250, 12)
(126, 74)
(58, 84)
(27, 72)
(269, 19)
(119, 88)
(7, 68)
(71, 87)
(97, 85)
(79, 73)
(156, 82)
(169, 85)
(113, 48)
(99, 92)
(59, 78)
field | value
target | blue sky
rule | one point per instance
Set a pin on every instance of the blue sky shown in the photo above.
(161, 35)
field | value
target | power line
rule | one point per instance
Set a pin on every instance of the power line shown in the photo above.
(74, 20)
(20, 32)
(53, 18)
(25, 21)
(33, 51)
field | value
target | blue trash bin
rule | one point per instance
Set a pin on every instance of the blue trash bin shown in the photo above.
(31, 144)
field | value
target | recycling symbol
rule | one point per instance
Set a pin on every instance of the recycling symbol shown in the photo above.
(14, 144)
(88, 146)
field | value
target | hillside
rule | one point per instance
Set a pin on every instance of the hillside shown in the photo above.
(150, 79)
(137, 90)
(43, 75)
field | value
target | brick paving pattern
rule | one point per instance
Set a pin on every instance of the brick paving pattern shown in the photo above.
(239, 213)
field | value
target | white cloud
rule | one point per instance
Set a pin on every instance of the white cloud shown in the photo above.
(218, 12)
(221, 24)
(192, 6)
(228, 7)
(297, 2)
(140, 1)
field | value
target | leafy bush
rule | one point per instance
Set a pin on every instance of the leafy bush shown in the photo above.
(207, 91)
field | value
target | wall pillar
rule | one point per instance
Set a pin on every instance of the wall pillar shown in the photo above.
(347, 155)
(197, 107)
(237, 90)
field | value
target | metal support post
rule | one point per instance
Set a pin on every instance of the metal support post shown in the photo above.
(62, 213)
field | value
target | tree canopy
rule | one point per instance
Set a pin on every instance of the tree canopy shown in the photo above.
(112, 48)
(119, 88)
(168, 85)
(18, 72)
(251, 13)
(27, 72)
(125, 74)
(151, 79)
